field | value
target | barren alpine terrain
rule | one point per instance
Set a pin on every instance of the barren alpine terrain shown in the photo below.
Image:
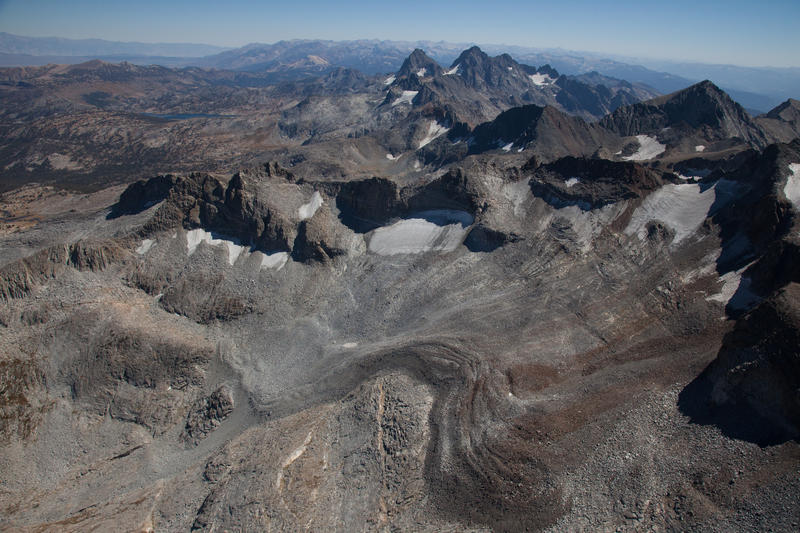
(475, 297)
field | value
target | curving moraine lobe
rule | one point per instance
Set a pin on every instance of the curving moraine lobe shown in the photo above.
(542, 340)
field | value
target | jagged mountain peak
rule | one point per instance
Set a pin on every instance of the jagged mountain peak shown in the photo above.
(702, 106)
(788, 110)
(419, 64)
(471, 55)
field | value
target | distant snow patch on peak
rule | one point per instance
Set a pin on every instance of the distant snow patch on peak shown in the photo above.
(389, 80)
(510, 68)
(792, 187)
(434, 130)
(349, 345)
(416, 165)
(405, 98)
(453, 70)
(307, 211)
(570, 182)
(422, 72)
(391, 157)
(507, 147)
(699, 148)
(145, 246)
(541, 79)
(649, 147)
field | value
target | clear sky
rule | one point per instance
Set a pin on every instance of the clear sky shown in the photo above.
(714, 31)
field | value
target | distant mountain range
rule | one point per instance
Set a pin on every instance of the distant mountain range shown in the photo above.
(756, 89)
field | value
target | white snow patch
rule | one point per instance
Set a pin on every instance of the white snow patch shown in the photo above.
(521, 148)
(735, 290)
(416, 165)
(307, 211)
(434, 130)
(541, 79)
(196, 236)
(389, 80)
(390, 157)
(570, 182)
(792, 187)
(649, 147)
(433, 231)
(349, 345)
(422, 72)
(510, 68)
(405, 98)
(145, 246)
(276, 260)
(507, 147)
(453, 70)
(682, 207)
(699, 148)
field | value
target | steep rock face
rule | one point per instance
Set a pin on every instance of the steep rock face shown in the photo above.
(767, 236)
(366, 204)
(702, 107)
(592, 183)
(759, 363)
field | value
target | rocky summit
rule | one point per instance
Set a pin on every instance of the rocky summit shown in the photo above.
(475, 297)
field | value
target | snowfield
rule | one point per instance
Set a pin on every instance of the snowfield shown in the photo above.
(453, 70)
(570, 182)
(145, 246)
(389, 80)
(405, 98)
(429, 231)
(649, 147)
(196, 236)
(541, 79)
(434, 130)
(792, 187)
(307, 211)
(682, 208)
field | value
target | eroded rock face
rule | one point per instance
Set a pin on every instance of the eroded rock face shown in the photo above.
(759, 363)
(207, 413)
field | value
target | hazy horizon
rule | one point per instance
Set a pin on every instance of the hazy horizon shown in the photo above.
(683, 31)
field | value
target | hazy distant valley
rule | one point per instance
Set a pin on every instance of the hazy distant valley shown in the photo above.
(473, 295)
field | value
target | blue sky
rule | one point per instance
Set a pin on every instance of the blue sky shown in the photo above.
(733, 31)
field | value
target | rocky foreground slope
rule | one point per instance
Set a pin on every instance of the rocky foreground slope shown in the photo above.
(506, 338)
